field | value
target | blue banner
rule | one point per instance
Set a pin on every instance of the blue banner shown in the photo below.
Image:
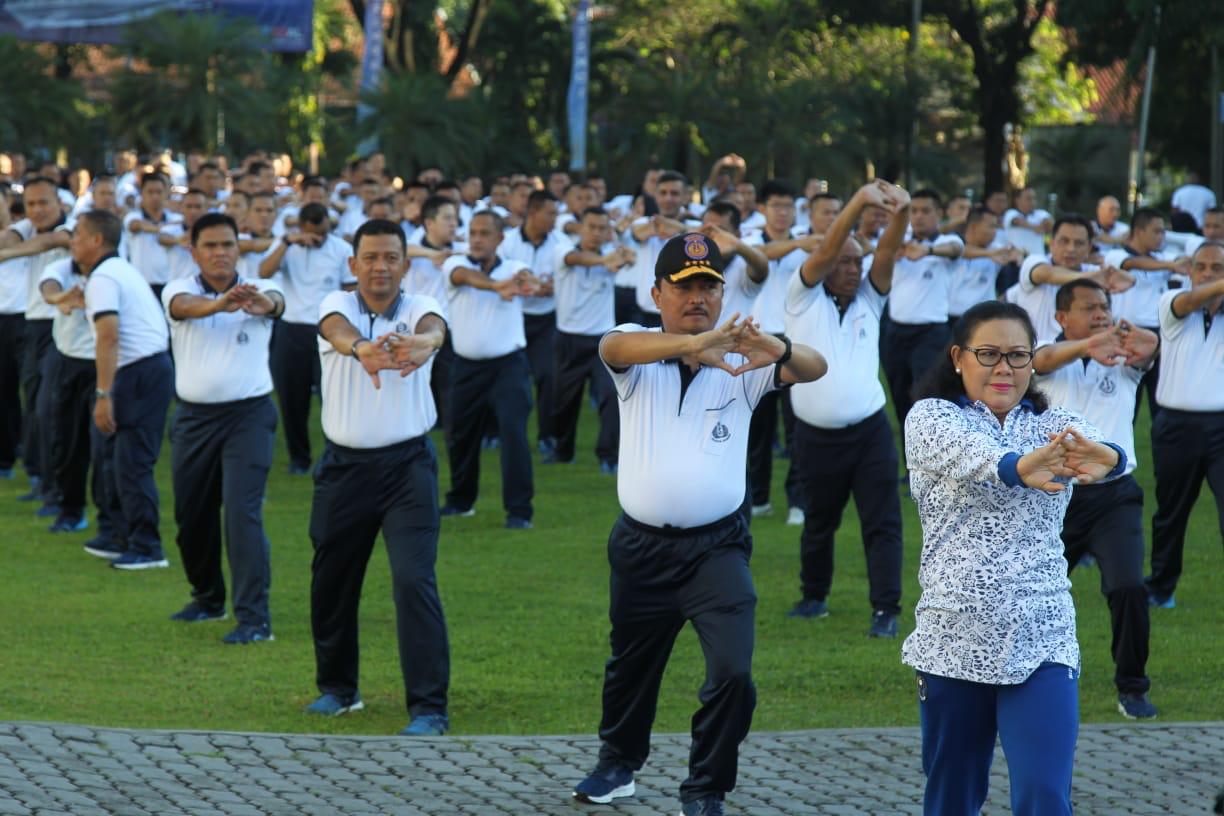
(284, 24)
(580, 75)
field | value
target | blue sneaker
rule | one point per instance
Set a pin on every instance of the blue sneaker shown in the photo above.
(490, 443)
(452, 510)
(516, 523)
(809, 608)
(329, 705)
(607, 468)
(707, 806)
(1136, 707)
(109, 550)
(198, 613)
(48, 510)
(69, 524)
(35, 493)
(605, 783)
(137, 561)
(883, 624)
(426, 725)
(246, 633)
(546, 445)
(1161, 601)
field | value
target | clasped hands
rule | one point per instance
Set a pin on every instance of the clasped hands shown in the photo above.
(1069, 457)
(394, 351)
(744, 338)
(245, 297)
(1122, 343)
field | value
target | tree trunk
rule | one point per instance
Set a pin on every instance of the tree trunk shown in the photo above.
(995, 118)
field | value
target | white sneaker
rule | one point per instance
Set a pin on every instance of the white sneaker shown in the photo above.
(795, 517)
(762, 509)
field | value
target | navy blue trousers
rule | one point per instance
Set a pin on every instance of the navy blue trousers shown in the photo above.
(141, 395)
(1037, 721)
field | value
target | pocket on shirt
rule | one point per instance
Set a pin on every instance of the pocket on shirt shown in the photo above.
(717, 433)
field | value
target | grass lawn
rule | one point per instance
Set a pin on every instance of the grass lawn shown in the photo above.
(527, 613)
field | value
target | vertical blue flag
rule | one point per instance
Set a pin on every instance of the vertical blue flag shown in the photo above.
(371, 65)
(580, 72)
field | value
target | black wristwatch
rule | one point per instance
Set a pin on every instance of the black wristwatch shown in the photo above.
(786, 355)
(357, 342)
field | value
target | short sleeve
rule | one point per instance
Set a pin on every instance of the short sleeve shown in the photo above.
(424, 305)
(346, 274)
(1010, 216)
(171, 290)
(624, 379)
(560, 269)
(800, 296)
(266, 285)
(871, 297)
(951, 239)
(60, 271)
(757, 383)
(24, 228)
(1170, 324)
(338, 302)
(1114, 258)
(1026, 271)
(101, 296)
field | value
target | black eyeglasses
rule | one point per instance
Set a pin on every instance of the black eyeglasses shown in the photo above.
(990, 357)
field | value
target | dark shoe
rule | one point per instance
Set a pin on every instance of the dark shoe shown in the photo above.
(1161, 601)
(426, 725)
(35, 493)
(551, 458)
(883, 624)
(490, 443)
(707, 806)
(452, 510)
(135, 561)
(330, 705)
(608, 468)
(298, 469)
(109, 550)
(809, 608)
(48, 511)
(516, 523)
(198, 613)
(1136, 707)
(69, 524)
(546, 445)
(246, 633)
(605, 783)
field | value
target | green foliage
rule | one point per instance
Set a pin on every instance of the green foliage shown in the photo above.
(1053, 90)
(36, 109)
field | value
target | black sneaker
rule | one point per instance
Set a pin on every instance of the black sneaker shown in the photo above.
(298, 469)
(198, 613)
(883, 624)
(246, 633)
(109, 550)
(809, 608)
(706, 806)
(516, 523)
(1136, 707)
(69, 524)
(605, 783)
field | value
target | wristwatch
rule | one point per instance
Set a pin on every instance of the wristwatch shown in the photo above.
(357, 342)
(786, 355)
(100, 394)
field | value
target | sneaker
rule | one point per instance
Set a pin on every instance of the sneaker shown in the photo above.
(330, 705)
(809, 608)
(35, 493)
(516, 523)
(109, 550)
(605, 783)
(708, 806)
(608, 468)
(198, 613)
(1161, 601)
(490, 443)
(246, 633)
(298, 469)
(69, 524)
(546, 445)
(48, 510)
(426, 725)
(1136, 707)
(762, 509)
(883, 624)
(137, 561)
(452, 510)
(794, 517)
(1086, 560)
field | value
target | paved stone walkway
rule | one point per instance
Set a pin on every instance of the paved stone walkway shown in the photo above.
(68, 769)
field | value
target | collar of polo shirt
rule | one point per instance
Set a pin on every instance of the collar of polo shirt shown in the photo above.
(480, 265)
(209, 290)
(391, 311)
(965, 402)
(76, 270)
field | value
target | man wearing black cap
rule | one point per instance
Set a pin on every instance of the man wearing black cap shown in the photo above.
(679, 552)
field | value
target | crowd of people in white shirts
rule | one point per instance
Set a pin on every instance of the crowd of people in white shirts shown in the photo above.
(575, 261)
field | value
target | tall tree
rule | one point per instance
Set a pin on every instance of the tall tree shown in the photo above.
(411, 40)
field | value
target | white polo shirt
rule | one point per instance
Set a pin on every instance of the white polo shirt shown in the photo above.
(424, 277)
(482, 325)
(1031, 241)
(627, 275)
(222, 357)
(1118, 230)
(1191, 360)
(973, 281)
(1039, 299)
(71, 332)
(182, 264)
(351, 221)
(14, 286)
(149, 257)
(682, 461)
(585, 301)
(541, 260)
(1103, 395)
(355, 413)
(770, 307)
(35, 307)
(647, 254)
(309, 274)
(1194, 199)
(851, 391)
(116, 287)
(920, 288)
(1139, 304)
(740, 292)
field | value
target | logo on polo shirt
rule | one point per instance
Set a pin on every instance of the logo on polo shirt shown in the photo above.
(329, 281)
(1108, 386)
(721, 432)
(401, 328)
(243, 338)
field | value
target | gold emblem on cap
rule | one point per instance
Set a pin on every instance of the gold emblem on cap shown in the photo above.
(695, 246)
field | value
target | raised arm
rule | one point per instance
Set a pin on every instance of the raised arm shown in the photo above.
(889, 245)
(820, 262)
(36, 245)
(1197, 298)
